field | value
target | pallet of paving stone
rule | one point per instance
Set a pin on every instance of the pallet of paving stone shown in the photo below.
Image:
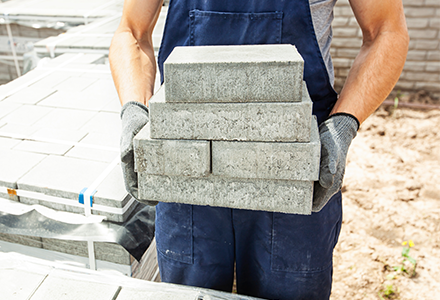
(94, 37)
(23, 277)
(59, 11)
(109, 252)
(231, 127)
(59, 135)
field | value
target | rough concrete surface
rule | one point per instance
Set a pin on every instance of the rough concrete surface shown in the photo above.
(286, 122)
(292, 161)
(171, 157)
(263, 73)
(257, 194)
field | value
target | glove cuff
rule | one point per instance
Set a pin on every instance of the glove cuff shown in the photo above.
(347, 115)
(134, 105)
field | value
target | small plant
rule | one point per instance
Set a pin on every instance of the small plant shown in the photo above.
(407, 245)
(387, 292)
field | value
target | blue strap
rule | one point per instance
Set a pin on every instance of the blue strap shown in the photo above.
(81, 196)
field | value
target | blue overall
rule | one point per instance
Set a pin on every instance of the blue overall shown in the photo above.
(277, 256)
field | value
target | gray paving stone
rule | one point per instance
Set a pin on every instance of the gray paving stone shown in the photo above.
(104, 122)
(112, 188)
(7, 143)
(75, 100)
(59, 134)
(103, 88)
(65, 177)
(113, 106)
(103, 251)
(30, 95)
(106, 139)
(17, 129)
(54, 78)
(27, 115)
(74, 84)
(92, 154)
(7, 107)
(22, 240)
(292, 161)
(256, 73)
(19, 284)
(71, 289)
(171, 157)
(177, 294)
(285, 196)
(61, 176)
(42, 147)
(285, 122)
(61, 118)
(15, 164)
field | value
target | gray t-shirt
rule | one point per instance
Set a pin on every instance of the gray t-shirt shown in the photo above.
(322, 17)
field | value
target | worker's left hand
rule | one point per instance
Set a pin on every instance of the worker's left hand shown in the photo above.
(134, 116)
(336, 134)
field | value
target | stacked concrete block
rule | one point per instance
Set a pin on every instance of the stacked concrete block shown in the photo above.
(59, 133)
(231, 127)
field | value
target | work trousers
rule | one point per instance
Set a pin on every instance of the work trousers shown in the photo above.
(277, 255)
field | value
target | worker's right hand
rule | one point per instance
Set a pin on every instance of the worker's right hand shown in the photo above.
(134, 117)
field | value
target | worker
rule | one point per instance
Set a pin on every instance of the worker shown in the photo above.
(276, 255)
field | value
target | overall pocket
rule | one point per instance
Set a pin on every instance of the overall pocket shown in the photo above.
(174, 234)
(226, 28)
(305, 243)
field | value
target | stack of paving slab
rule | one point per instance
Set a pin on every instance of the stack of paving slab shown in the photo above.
(231, 127)
(94, 37)
(33, 20)
(26, 278)
(59, 133)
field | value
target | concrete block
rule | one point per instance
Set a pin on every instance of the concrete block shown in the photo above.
(110, 252)
(61, 176)
(61, 118)
(292, 161)
(104, 122)
(19, 284)
(26, 115)
(75, 100)
(177, 293)
(30, 95)
(171, 157)
(7, 143)
(75, 84)
(54, 287)
(92, 154)
(15, 164)
(56, 134)
(17, 129)
(255, 73)
(31, 241)
(42, 147)
(285, 196)
(283, 122)
(6, 108)
(65, 177)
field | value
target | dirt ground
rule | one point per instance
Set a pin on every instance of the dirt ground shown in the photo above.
(391, 195)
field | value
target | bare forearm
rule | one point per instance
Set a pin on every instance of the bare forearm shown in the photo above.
(131, 56)
(133, 68)
(380, 61)
(373, 75)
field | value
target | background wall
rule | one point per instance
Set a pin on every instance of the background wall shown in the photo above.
(422, 68)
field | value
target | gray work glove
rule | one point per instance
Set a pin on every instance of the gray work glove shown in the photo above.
(134, 116)
(336, 134)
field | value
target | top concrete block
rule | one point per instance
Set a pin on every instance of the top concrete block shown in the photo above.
(256, 73)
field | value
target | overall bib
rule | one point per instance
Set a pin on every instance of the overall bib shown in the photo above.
(277, 256)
